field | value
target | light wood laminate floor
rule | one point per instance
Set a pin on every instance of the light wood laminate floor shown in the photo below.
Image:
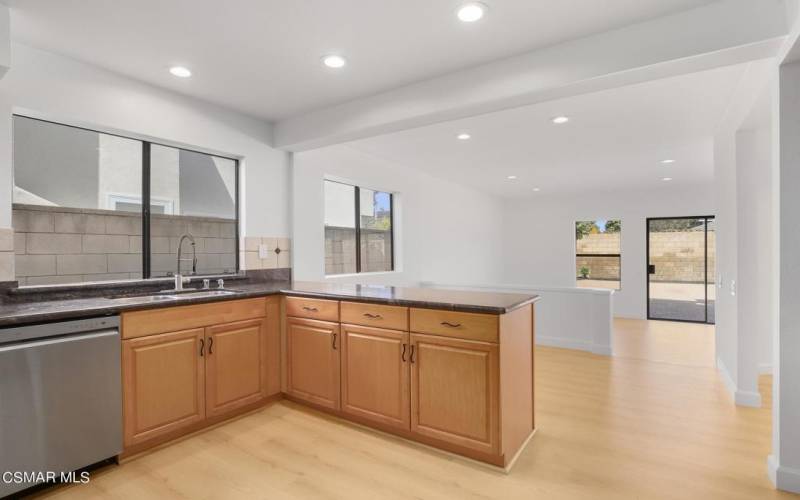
(609, 428)
(665, 341)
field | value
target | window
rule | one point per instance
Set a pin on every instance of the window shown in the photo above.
(90, 206)
(598, 260)
(358, 229)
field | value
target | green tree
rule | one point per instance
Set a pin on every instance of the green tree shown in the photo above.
(668, 225)
(582, 228)
(613, 226)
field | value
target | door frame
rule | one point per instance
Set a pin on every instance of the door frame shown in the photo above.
(707, 218)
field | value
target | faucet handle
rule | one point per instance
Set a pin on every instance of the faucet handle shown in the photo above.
(220, 283)
(206, 283)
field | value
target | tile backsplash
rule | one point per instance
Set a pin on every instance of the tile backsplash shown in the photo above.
(6, 254)
(277, 256)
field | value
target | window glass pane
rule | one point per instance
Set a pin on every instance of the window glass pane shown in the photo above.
(340, 228)
(597, 253)
(376, 231)
(192, 194)
(77, 204)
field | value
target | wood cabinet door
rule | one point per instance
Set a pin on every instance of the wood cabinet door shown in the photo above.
(455, 391)
(312, 361)
(234, 372)
(375, 375)
(163, 384)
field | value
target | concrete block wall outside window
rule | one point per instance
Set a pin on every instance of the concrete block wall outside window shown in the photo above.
(61, 245)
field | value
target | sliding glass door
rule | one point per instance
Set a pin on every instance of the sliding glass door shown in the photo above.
(680, 269)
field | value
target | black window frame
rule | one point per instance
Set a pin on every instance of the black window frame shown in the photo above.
(357, 206)
(146, 169)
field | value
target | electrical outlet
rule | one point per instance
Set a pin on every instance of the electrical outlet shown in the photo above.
(263, 251)
(733, 287)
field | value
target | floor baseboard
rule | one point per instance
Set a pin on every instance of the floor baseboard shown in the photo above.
(784, 478)
(750, 399)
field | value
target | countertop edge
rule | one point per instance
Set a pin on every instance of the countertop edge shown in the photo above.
(413, 303)
(45, 316)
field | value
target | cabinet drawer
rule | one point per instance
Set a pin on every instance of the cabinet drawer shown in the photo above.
(462, 325)
(300, 307)
(152, 321)
(358, 313)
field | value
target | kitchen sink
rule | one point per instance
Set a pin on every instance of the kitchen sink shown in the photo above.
(201, 293)
(167, 295)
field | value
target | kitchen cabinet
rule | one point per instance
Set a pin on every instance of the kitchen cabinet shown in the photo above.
(234, 373)
(455, 391)
(178, 381)
(164, 384)
(455, 380)
(375, 375)
(313, 361)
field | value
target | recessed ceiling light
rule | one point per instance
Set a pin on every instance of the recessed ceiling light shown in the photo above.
(667, 162)
(666, 179)
(536, 190)
(560, 120)
(180, 71)
(512, 177)
(471, 12)
(463, 137)
(334, 61)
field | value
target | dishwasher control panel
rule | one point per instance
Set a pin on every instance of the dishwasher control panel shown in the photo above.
(45, 330)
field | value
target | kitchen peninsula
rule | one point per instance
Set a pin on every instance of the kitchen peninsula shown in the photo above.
(450, 369)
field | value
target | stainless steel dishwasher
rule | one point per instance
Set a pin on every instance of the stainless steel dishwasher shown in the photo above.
(60, 399)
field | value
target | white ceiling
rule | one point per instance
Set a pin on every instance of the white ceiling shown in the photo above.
(615, 140)
(262, 57)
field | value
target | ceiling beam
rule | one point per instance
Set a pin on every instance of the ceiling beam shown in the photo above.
(719, 34)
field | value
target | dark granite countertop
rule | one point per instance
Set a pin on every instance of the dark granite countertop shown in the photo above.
(431, 298)
(37, 308)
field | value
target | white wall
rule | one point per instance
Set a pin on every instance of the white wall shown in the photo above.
(445, 232)
(63, 89)
(745, 234)
(756, 216)
(784, 463)
(539, 236)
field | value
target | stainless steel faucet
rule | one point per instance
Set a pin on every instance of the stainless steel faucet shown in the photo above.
(178, 277)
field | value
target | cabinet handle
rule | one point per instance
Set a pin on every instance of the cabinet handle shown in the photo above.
(403, 355)
(412, 353)
(202, 345)
(451, 325)
(310, 309)
(373, 316)
(210, 345)
(334, 342)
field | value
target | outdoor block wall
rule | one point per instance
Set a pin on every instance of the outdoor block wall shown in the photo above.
(340, 255)
(62, 245)
(679, 256)
(600, 268)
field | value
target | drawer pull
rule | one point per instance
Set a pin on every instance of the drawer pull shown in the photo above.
(451, 325)
(373, 316)
(310, 309)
